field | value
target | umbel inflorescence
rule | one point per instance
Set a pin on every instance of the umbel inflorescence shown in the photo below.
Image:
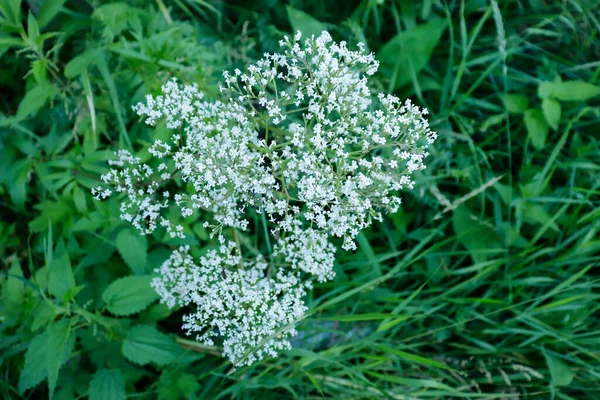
(299, 152)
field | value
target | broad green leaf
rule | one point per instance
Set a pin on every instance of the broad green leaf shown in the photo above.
(61, 280)
(80, 63)
(17, 181)
(515, 103)
(174, 385)
(409, 51)
(59, 348)
(560, 372)
(551, 109)
(479, 239)
(35, 369)
(133, 249)
(13, 292)
(145, 344)
(129, 295)
(107, 384)
(537, 128)
(33, 29)
(48, 11)
(568, 90)
(34, 99)
(304, 23)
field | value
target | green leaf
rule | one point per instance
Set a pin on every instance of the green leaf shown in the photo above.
(61, 280)
(34, 99)
(515, 103)
(551, 109)
(80, 63)
(568, 90)
(133, 249)
(560, 372)
(145, 344)
(479, 239)
(107, 384)
(129, 295)
(537, 128)
(304, 23)
(35, 369)
(409, 51)
(13, 292)
(33, 29)
(59, 348)
(48, 11)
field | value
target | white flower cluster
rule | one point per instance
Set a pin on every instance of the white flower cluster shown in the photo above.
(298, 143)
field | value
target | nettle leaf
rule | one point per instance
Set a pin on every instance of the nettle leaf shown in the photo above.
(129, 295)
(479, 239)
(79, 64)
(560, 372)
(409, 51)
(515, 103)
(133, 248)
(145, 345)
(59, 348)
(13, 292)
(537, 128)
(48, 11)
(552, 110)
(35, 369)
(61, 281)
(305, 23)
(34, 100)
(107, 384)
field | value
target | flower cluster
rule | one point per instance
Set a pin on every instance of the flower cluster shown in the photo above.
(298, 143)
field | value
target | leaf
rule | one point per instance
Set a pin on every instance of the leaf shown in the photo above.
(33, 29)
(61, 280)
(145, 344)
(479, 239)
(515, 103)
(107, 384)
(80, 63)
(537, 128)
(410, 50)
(568, 90)
(48, 11)
(560, 372)
(34, 99)
(35, 369)
(13, 292)
(129, 295)
(133, 249)
(59, 348)
(551, 109)
(304, 23)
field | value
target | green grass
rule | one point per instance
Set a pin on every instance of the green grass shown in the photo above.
(485, 285)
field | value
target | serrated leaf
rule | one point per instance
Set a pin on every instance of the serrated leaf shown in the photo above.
(410, 50)
(60, 280)
(145, 345)
(515, 103)
(107, 384)
(560, 372)
(59, 348)
(480, 240)
(537, 128)
(129, 295)
(33, 100)
(80, 63)
(35, 369)
(552, 110)
(13, 292)
(33, 29)
(133, 249)
(304, 23)
(48, 11)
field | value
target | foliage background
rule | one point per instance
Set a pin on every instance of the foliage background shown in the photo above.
(485, 285)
